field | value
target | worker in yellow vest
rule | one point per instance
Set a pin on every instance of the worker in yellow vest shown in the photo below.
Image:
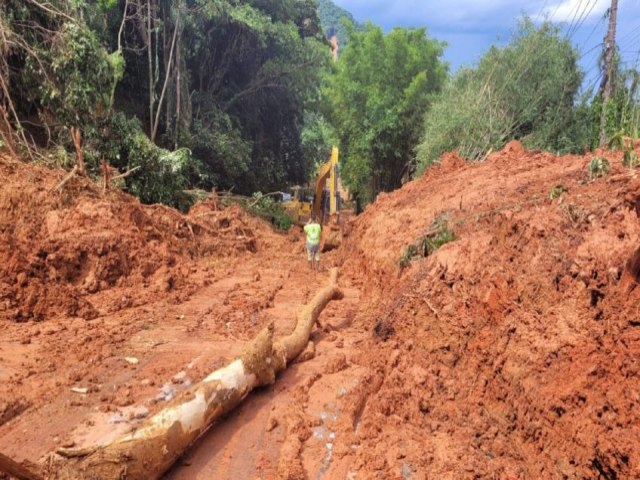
(312, 232)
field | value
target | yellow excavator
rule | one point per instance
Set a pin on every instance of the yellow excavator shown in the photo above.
(300, 208)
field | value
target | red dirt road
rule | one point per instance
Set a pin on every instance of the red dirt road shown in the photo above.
(511, 352)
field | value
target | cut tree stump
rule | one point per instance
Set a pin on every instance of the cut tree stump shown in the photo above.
(158, 442)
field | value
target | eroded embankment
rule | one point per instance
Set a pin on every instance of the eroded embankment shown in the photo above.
(511, 352)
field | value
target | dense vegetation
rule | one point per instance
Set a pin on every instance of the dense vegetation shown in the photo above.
(525, 91)
(196, 92)
(528, 91)
(243, 94)
(382, 87)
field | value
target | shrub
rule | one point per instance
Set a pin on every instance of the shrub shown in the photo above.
(557, 191)
(268, 209)
(598, 167)
(439, 234)
(526, 91)
(630, 159)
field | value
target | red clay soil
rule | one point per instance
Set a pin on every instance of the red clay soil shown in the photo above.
(511, 352)
(63, 252)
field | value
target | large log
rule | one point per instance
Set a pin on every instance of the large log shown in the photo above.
(150, 450)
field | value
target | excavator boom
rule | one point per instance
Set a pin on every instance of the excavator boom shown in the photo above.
(327, 171)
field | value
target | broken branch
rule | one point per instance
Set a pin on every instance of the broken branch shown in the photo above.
(126, 174)
(106, 175)
(71, 174)
(77, 142)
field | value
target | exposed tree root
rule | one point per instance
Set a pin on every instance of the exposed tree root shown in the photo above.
(150, 450)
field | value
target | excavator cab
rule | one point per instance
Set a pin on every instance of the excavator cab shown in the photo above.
(299, 204)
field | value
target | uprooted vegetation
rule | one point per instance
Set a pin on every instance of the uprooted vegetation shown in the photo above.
(438, 234)
(263, 206)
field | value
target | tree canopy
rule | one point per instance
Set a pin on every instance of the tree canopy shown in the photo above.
(219, 88)
(381, 89)
(526, 90)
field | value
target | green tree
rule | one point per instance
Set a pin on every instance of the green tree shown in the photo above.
(219, 88)
(236, 86)
(381, 89)
(622, 115)
(53, 68)
(526, 91)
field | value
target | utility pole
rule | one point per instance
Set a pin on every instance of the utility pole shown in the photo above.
(606, 87)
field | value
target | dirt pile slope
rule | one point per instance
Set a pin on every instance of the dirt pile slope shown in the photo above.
(511, 352)
(64, 251)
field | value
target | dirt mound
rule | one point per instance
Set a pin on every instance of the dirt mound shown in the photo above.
(511, 351)
(60, 250)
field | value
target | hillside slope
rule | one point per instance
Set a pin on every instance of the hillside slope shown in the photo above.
(511, 352)
(331, 18)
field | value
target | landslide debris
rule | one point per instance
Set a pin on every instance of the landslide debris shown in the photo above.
(80, 251)
(511, 351)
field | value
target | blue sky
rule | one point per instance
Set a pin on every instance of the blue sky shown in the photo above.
(470, 26)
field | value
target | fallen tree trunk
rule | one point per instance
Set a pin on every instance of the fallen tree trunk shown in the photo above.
(150, 450)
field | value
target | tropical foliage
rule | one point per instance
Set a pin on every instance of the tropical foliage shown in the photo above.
(526, 90)
(380, 92)
(218, 88)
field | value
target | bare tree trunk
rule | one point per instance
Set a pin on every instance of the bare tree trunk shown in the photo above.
(606, 87)
(170, 100)
(77, 142)
(154, 130)
(152, 448)
(120, 32)
(10, 108)
(150, 62)
(178, 87)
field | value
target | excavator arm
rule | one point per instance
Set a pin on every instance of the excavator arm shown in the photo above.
(327, 171)
(298, 208)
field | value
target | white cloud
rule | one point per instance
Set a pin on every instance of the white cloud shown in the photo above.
(465, 13)
(575, 11)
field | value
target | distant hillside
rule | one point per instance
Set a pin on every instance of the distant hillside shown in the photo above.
(330, 17)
